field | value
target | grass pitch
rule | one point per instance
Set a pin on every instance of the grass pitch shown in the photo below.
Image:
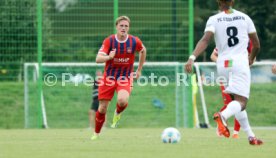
(130, 143)
(67, 107)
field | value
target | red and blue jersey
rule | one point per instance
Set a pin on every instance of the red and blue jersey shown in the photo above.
(123, 61)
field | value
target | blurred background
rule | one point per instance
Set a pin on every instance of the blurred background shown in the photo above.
(72, 31)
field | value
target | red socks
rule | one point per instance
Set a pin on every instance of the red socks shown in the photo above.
(100, 118)
(99, 121)
(224, 107)
(227, 99)
(120, 109)
(237, 125)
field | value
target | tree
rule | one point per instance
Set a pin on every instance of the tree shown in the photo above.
(18, 34)
(262, 13)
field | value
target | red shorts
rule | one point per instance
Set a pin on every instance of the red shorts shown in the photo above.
(107, 87)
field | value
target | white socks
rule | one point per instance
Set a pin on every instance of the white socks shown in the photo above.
(243, 120)
(233, 108)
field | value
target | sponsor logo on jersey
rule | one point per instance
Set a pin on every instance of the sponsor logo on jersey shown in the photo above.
(121, 60)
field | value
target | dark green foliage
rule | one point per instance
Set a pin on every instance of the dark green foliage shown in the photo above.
(75, 34)
(18, 35)
(262, 12)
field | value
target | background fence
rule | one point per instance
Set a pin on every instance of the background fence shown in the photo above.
(73, 30)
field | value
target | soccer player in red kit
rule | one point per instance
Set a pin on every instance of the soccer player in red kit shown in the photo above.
(118, 54)
(226, 97)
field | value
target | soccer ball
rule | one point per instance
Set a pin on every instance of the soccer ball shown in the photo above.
(170, 135)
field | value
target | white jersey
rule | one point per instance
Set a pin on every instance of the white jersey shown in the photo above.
(231, 34)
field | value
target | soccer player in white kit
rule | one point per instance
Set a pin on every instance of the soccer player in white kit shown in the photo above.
(231, 30)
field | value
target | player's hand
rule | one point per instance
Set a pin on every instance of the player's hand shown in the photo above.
(189, 66)
(274, 69)
(137, 74)
(112, 53)
(251, 61)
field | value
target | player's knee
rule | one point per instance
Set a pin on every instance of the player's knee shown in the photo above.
(243, 103)
(242, 100)
(122, 101)
(103, 107)
(243, 107)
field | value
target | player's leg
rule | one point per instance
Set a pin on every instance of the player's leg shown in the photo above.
(221, 122)
(244, 122)
(227, 99)
(92, 113)
(236, 129)
(238, 84)
(123, 89)
(100, 118)
(232, 108)
(106, 93)
(237, 108)
(238, 79)
(122, 103)
(236, 125)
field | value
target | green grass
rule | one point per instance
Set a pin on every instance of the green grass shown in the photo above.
(130, 142)
(260, 108)
(11, 105)
(73, 106)
(67, 107)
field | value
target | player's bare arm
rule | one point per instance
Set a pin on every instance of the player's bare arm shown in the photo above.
(103, 57)
(200, 47)
(142, 59)
(256, 47)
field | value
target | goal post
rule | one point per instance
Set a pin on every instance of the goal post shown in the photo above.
(159, 98)
(41, 110)
(202, 97)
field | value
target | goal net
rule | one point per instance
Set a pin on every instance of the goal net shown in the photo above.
(159, 98)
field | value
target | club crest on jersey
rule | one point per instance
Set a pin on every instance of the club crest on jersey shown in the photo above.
(129, 50)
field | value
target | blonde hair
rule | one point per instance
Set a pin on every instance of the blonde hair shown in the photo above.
(122, 18)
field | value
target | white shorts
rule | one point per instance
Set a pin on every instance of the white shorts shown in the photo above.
(237, 78)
